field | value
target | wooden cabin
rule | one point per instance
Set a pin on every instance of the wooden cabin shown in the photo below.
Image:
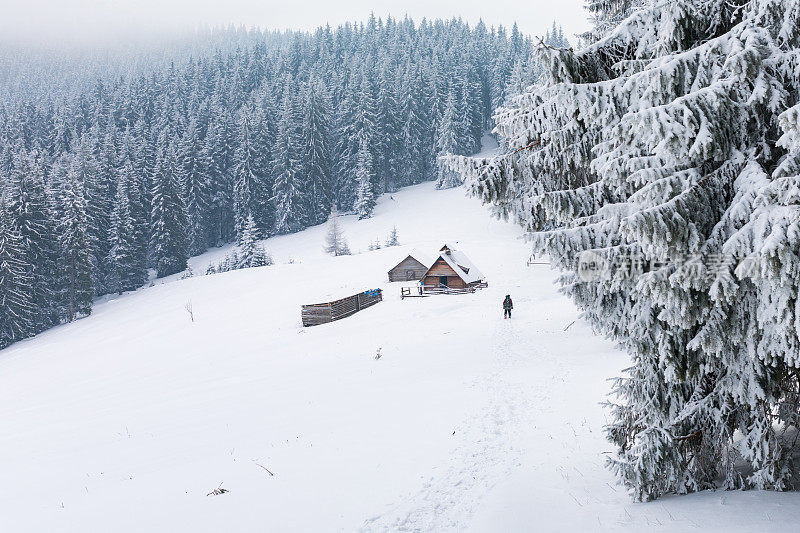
(409, 269)
(452, 269)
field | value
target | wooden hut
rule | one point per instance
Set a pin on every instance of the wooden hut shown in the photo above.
(411, 268)
(452, 269)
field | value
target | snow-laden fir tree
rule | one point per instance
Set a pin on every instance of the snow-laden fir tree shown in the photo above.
(72, 229)
(357, 126)
(130, 271)
(140, 193)
(316, 131)
(219, 149)
(347, 136)
(388, 137)
(252, 254)
(393, 240)
(194, 164)
(17, 307)
(472, 122)
(335, 241)
(286, 170)
(365, 172)
(29, 205)
(447, 143)
(168, 219)
(263, 137)
(98, 210)
(250, 180)
(670, 151)
(415, 124)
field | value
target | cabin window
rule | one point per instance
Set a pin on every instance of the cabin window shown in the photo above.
(409, 275)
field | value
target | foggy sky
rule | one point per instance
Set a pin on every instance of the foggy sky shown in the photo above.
(87, 22)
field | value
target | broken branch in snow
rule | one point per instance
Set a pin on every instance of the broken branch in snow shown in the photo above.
(265, 468)
(216, 492)
(687, 437)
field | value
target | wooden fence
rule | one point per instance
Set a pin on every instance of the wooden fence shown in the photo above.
(315, 314)
(414, 292)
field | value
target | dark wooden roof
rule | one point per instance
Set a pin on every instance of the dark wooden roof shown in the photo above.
(398, 265)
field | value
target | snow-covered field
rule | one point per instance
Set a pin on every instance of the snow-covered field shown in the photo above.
(126, 420)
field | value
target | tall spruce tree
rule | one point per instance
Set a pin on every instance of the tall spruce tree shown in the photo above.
(263, 138)
(17, 306)
(674, 137)
(74, 240)
(389, 132)
(347, 134)
(365, 171)
(130, 271)
(250, 180)
(98, 210)
(415, 126)
(286, 171)
(251, 254)
(168, 219)
(317, 163)
(447, 143)
(195, 164)
(30, 209)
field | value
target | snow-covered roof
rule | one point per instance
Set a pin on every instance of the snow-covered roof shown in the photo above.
(423, 258)
(461, 264)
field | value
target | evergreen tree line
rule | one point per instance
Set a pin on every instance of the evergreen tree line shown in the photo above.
(669, 151)
(145, 171)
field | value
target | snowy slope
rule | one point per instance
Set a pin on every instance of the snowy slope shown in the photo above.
(126, 420)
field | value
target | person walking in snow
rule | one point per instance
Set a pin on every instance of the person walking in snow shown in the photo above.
(508, 305)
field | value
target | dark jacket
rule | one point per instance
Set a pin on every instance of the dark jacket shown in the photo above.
(508, 304)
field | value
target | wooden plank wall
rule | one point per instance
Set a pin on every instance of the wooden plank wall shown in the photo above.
(398, 273)
(315, 314)
(441, 268)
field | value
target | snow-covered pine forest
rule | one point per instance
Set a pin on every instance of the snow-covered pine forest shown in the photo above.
(260, 137)
(668, 150)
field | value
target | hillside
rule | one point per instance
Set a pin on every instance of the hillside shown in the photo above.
(126, 420)
(151, 168)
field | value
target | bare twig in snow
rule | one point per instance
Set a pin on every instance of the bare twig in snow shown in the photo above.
(188, 307)
(265, 468)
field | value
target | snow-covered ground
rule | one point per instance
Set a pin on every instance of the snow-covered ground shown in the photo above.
(126, 420)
